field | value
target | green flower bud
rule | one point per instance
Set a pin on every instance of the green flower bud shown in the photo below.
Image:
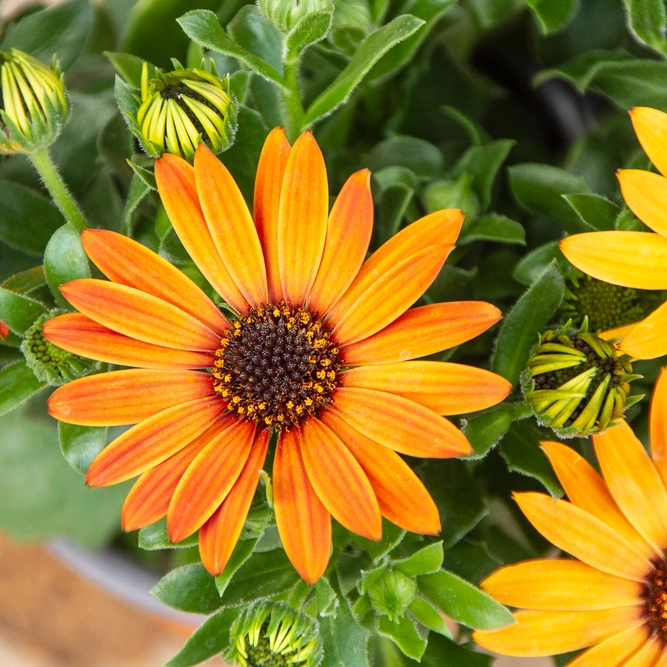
(392, 594)
(50, 363)
(33, 104)
(179, 109)
(274, 635)
(285, 14)
(577, 383)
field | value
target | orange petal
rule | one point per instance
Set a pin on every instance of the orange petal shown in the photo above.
(152, 441)
(303, 522)
(423, 331)
(126, 397)
(618, 332)
(402, 497)
(348, 235)
(219, 535)
(208, 480)
(268, 184)
(629, 259)
(129, 263)
(613, 652)
(178, 191)
(647, 340)
(542, 633)
(566, 585)
(448, 389)
(439, 228)
(391, 295)
(588, 491)
(646, 195)
(583, 536)
(231, 226)
(648, 655)
(302, 218)
(149, 498)
(634, 483)
(400, 424)
(650, 126)
(658, 421)
(139, 315)
(80, 335)
(339, 481)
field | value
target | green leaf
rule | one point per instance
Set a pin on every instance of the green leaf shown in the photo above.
(392, 536)
(647, 20)
(521, 449)
(463, 602)
(327, 600)
(493, 227)
(420, 157)
(536, 262)
(115, 144)
(594, 210)
(155, 537)
(442, 652)
(485, 430)
(523, 324)
(240, 555)
(251, 30)
(17, 384)
(310, 28)
(390, 210)
(26, 281)
(129, 67)
(189, 588)
(425, 561)
(173, 250)
(81, 444)
(19, 312)
(207, 641)
(404, 635)
(471, 560)
(429, 616)
(367, 54)
(136, 194)
(538, 188)
(64, 260)
(477, 135)
(61, 30)
(204, 28)
(553, 15)
(27, 219)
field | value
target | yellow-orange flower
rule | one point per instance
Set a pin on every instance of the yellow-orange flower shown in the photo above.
(613, 597)
(321, 352)
(635, 259)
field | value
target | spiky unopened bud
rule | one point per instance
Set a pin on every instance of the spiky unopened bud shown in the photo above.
(392, 594)
(578, 383)
(33, 103)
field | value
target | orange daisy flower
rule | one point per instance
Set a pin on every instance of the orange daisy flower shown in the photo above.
(613, 598)
(319, 352)
(635, 259)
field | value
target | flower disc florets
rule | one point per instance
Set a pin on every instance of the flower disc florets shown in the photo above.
(275, 635)
(277, 366)
(33, 104)
(655, 595)
(577, 383)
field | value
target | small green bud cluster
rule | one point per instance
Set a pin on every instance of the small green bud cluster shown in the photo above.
(285, 14)
(272, 634)
(577, 383)
(33, 104)
(50, 363)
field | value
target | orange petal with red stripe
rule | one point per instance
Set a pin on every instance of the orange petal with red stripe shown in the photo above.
(614, 652)
(149, 497)
(390, 295)
(339, 481)
(650, 126)
(80, 335)
(219, 535)
(423, 331)
(658, 423)
(402, 497)
(178, 190)
(152, 441)
(126, 397)
(645, 193)
(542, 633)
(302, 218)
(304, 524)
(400, 424)
(583, 536)
(348, 235)
(647, 339)
(231, 226)
(127, 262)
(445, 388)
(139, 315)
(208, 480)
(439, 228)
(268, 184)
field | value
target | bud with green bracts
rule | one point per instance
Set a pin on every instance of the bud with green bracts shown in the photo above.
(272, 634)
(33, 103)
(49, 363)
(178, 109)
(285, 14)
(577, 383)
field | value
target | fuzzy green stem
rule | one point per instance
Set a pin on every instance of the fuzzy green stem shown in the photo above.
(57, 188)
(292, 101)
